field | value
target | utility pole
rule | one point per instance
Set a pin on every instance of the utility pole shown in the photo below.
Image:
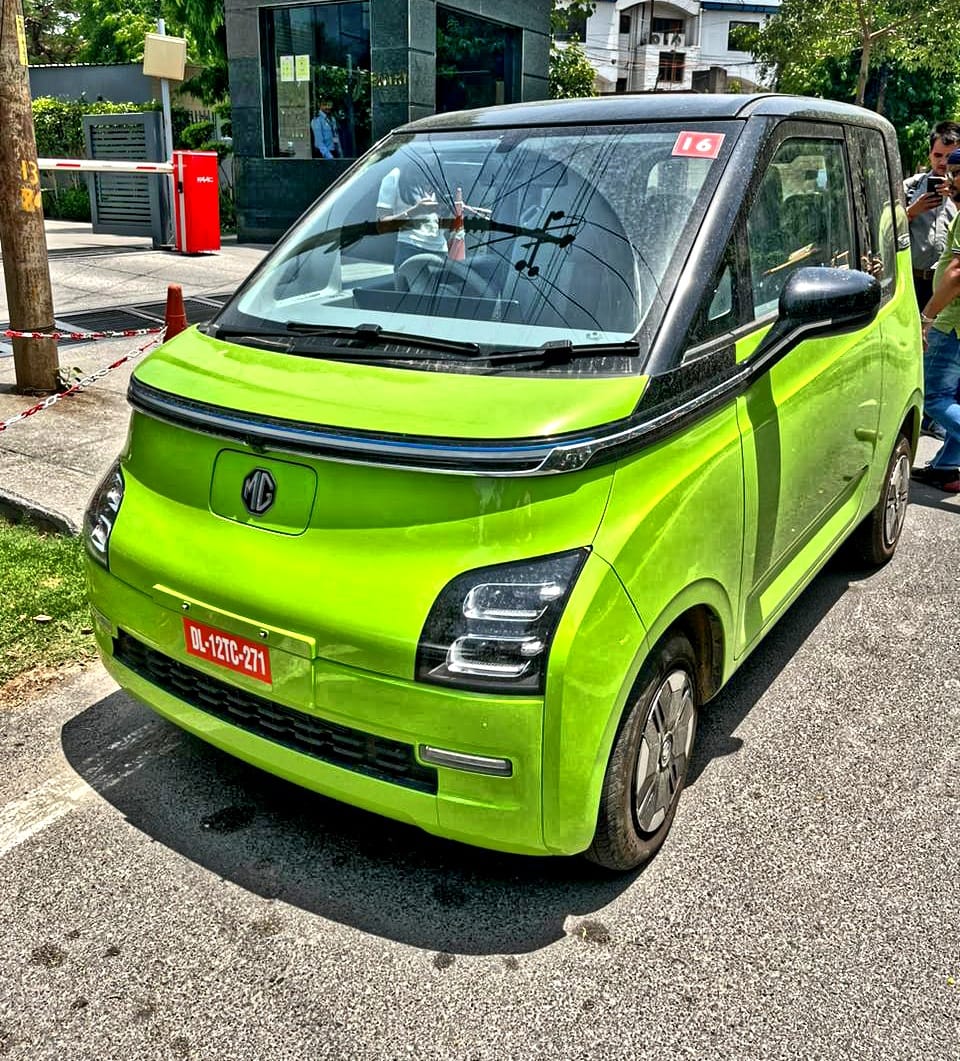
(26, 268)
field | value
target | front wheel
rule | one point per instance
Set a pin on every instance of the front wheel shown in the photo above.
(875, 541)
(650, 759)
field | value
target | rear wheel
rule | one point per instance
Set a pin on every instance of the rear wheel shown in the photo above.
(650, 759)
(875, 541)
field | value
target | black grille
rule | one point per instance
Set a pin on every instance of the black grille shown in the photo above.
(386, 760)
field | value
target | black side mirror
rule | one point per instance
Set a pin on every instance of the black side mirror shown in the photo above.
(818, 300)
(847, 298)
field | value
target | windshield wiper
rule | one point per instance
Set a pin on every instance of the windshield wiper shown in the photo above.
(560, 351)
(373, 333)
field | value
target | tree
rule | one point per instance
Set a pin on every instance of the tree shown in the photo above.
(113, 31)
(50, 30)
(205, 23)
(570, 74)
(803, 35)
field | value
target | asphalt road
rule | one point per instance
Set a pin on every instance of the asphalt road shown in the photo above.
(159, 900)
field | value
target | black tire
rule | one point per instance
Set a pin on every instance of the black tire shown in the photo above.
(874, 542)
(651, 755)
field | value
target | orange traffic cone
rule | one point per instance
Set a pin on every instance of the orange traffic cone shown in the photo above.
(457, 248)
(175, 316)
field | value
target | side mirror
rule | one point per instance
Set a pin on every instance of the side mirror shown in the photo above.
(846, 298)
(817, 300)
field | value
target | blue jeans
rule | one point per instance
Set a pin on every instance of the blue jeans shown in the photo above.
(941, 384)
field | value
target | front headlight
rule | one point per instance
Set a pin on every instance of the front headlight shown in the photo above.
(490, 629)
(101, 514)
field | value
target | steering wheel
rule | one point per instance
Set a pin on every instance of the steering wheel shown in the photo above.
(435, 274)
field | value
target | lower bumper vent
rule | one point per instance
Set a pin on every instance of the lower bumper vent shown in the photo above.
(353, 749)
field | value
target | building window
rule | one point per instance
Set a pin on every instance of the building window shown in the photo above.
(316, 69)
(671, 67)
(739, 35)
(621, 84)
(666, 31)
(624, 23)
(478, 62)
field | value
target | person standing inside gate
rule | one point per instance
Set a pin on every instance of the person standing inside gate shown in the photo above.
(323, 129)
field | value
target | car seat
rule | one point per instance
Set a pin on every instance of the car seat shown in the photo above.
(575, 268)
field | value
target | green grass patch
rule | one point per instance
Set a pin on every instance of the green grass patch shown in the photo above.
(44, 615)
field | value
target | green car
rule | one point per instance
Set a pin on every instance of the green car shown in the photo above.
(512, 450)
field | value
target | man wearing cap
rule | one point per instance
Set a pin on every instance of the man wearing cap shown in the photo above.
(940, 319)
(930, 212)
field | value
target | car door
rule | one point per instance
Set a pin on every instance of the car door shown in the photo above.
(809, 423)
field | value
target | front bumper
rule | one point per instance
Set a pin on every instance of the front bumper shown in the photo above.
(361, 737)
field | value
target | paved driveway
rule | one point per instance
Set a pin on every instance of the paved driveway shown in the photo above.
(159, 900)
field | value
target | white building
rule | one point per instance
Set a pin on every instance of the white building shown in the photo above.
(657, 45)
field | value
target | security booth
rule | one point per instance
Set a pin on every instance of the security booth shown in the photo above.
(313, 85)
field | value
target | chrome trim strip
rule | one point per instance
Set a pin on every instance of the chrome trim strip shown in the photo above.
(474, 764)
(507, 458)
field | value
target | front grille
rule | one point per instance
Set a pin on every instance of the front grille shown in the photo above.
(386, 760)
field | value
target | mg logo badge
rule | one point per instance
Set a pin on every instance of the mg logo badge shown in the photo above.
(259, 491)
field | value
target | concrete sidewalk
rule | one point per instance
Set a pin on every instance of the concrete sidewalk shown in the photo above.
(51, 462)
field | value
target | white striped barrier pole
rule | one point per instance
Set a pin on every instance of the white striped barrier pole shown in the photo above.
(100, 165)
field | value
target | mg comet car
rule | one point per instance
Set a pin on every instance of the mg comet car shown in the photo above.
(512, 451)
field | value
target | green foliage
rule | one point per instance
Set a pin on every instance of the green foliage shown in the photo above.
(41, 575)
(196, 135)
(228, 210)
(49, 27)
(70, 203)
(567, 17)
(796, 42)
(205, 24)
(571, 74)
(58, 123)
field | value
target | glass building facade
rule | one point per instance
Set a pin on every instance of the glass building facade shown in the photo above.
(314, 85)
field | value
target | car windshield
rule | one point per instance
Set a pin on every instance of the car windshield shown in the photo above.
(501, 240)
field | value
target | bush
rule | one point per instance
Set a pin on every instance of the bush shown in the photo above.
(195, 137)
(67, 204)
(58, 123)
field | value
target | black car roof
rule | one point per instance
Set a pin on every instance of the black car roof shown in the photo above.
(651, 106)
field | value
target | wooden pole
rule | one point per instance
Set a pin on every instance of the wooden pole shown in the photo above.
(26, 268)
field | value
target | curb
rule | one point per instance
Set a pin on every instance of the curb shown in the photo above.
(20, 510)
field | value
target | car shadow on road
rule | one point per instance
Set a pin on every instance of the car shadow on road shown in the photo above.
(282, 842)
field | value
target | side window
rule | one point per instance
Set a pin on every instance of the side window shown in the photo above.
(800, 216)
(719, 313)
(875, 202)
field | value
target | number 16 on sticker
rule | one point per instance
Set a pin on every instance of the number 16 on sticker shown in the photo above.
(698, 145)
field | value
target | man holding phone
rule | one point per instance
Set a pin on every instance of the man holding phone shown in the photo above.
(940, 320)
(930, 209)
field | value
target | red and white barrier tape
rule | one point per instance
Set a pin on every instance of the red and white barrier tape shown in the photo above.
(127, 333)
(78, 386)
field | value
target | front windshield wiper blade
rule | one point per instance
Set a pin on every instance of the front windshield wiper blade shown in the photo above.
(559, 351)
(373, 333)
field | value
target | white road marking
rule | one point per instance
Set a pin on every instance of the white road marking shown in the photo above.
(59, 795)
(22, 818)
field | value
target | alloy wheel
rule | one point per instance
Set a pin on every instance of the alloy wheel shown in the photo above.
(664, 752)
(895, 502)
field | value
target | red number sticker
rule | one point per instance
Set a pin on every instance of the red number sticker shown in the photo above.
(698, 145)
(227, 650)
